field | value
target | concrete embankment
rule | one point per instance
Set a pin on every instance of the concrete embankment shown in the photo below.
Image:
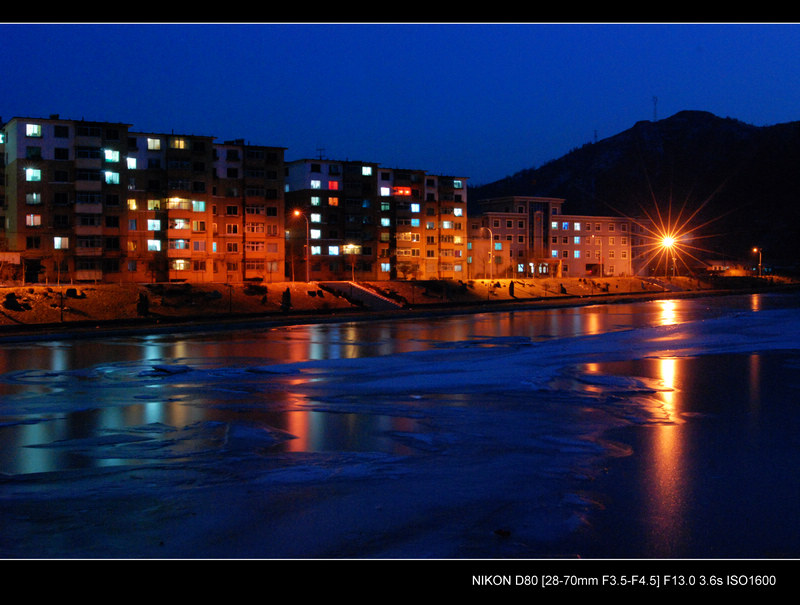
(42, 311)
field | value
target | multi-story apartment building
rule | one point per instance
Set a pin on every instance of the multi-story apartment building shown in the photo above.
(557, 244)
(96, 201)
(358, 220)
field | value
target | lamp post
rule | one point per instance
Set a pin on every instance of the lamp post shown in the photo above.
(491, 245)
(668, 243)
(759, 260)
(299, 213)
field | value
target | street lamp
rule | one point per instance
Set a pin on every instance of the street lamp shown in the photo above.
(351, 249)
(759, 260)
(491, 245)
(668, 243)
(299, 213)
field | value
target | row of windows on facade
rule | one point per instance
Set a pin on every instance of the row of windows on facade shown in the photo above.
(153, 143)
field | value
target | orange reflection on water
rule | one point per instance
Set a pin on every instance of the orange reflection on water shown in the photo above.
(668, 315)
(669, 484)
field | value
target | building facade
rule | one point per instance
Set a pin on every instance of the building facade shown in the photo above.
(97, 201)
(358, 220)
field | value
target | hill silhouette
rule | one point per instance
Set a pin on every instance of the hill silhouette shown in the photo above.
(735, 185)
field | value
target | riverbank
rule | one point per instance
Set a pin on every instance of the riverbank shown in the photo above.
(45, 310)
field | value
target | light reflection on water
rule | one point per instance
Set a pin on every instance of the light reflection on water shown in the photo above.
(73, 404)
(716, 476)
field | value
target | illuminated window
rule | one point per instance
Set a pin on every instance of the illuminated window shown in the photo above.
(315, 200)
(576, 239)
(198, 206)
(316, 218)
(565, 226)
(60, 243)
(386, 191)
(131, 163)
(153, 224)
(131, 204)
(33, 130)
(457, 184)
(554, 225)
(179, 244)
(333, 185)
(447, 224)
(577, 254)
(178, 143)
(366, 170)
(316, 249)
(112, 178)
(111, 155)
(333, 201)
(333, 250)
(554, 253)
(386, 267)
(33, 198)
(153, 204)
(458, 211)
(386, 222)
(33, 220)
(33, 174)
(414, 207)
(316, 184)
(498, 245)
(153, 144)
(315, 234)
(153, 245)
(577, 226)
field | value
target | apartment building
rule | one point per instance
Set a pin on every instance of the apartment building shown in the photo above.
(97, 201)
(358, 220)
(557, 244)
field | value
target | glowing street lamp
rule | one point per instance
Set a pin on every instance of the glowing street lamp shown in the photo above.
(491, 245)
(668, 244)
(759, 260)
(299, 213)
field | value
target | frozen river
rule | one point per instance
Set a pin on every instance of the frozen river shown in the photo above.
(659, 429)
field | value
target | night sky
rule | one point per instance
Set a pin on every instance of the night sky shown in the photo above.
(481, 101)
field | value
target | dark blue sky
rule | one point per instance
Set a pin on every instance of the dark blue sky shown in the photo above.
(476, 100)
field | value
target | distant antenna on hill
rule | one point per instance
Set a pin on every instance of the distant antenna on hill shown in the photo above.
(655, 111)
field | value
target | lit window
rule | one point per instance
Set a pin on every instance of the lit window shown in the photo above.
(447, 224)
(153, 144)
(457, 184)
(414, 207)
(131, 163)
(112, 178)
(333, 185)
(576, 239)
(153, 245)
(316, 249)
(577, 253)
(366, 170)
(316, 218)
(554, 253)
(33, 130)
(33, 220)
(386, 191)
(33, 174)
(316, 184)
(111, 155)
(565, 226)
(198, 206)
(554, 225)
(315, 234)
(315, 200)
(386, 267)
(386, 222)
(131, 204)
(60, 243)
(498, 245)
(178, 143)
(153, 224)
(577, 226)
(333, 250)
(333, 201)
(458, 211)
